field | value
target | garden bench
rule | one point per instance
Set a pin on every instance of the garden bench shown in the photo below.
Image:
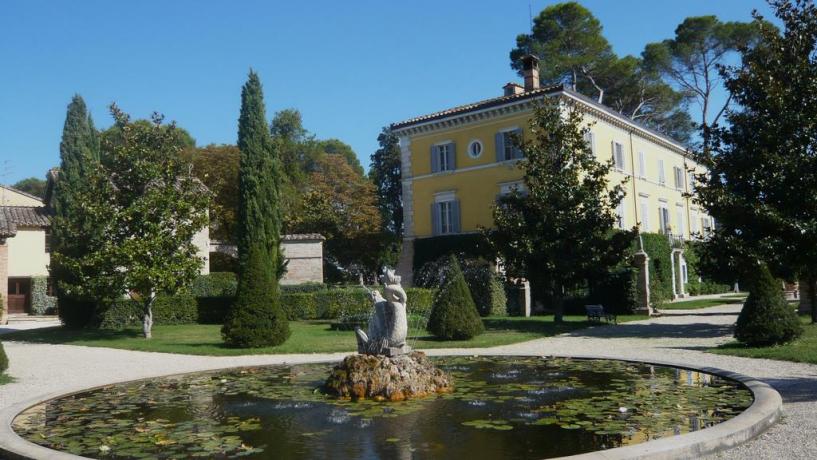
(596, 313)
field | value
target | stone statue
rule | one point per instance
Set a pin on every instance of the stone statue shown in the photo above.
(388, 325)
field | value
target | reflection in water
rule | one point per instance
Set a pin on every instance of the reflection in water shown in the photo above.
(502, 407)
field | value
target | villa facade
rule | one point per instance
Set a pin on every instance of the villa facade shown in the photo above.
(456, 162)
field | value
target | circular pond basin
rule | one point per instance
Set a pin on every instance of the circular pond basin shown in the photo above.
(502, 407)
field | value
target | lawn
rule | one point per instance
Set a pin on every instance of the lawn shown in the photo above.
(702, 303)
(802, 350)
(307, 337)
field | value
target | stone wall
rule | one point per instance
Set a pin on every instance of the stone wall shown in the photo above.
(305, 261)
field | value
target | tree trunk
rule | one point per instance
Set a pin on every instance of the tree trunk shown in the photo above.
(147, 321)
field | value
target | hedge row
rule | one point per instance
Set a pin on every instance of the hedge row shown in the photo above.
(41, 302)
(326, 303)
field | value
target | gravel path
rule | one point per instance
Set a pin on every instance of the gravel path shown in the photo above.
(679, 336)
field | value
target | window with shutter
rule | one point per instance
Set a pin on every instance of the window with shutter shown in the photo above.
(679, 177)
(691, 182)
(679, 217)
(620, 215)
(499, 140)
(435, 159)
(642, 166)
(591, 141)
(662, 179)
(645, 215)
(509, 145)
(618, 156)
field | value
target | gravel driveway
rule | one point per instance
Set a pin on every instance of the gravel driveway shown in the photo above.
(679, 336)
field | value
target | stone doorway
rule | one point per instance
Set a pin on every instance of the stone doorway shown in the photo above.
(19, 295)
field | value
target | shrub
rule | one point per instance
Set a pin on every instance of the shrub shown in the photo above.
(420, 301)
(4, 360)
(213, 310)
(485, 286)
(76, 313)
(215, 284)
(766, 317)
(333, 303)
(41, 302)
(305, 287)
(220, 262)
(617, 291)
(659, 251)
(454, 315)
(121, 313)
(300, 305)
(472, 245)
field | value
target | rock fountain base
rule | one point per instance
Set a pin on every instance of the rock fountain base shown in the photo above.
(382, 378)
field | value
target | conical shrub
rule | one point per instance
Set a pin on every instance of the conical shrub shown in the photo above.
(454, 315)
(4, 360)
(766, 318)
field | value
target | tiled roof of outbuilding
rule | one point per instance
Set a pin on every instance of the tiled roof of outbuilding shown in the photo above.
(14, 217)
(303, 236)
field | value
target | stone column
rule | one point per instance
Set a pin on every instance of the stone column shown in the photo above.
(681, 288)
(4, 281)
(641, 261)
(672, 270)
(405, 266)
(526, 300)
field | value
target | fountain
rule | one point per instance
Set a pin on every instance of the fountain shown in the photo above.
(385, 367)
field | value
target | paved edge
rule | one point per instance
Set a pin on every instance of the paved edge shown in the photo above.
(764, 412)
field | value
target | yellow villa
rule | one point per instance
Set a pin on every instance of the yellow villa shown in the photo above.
(456, 162)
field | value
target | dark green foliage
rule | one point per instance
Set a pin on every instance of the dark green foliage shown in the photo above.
(432, 249)
(215, 284)
(4, 360)
(699, 280)
(385, 173)
(167, 309)
(32, 186)
(454, 315)
(257, 318)
(766, 318)
(223, 263)
(76, 313)
(300, 305)
(763, 163)
(41, 302)
(616, 291)
(484, 283)
(659, 251)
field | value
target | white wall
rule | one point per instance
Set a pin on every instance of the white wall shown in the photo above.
(27, 256)
(10, 197)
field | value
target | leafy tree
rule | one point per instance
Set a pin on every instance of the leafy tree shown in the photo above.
(257, 318)
(559, 233)
(340, 148)
(691, 59)
(568, 40)
(341, 205)
(766, 318)
(385, 173)
(216, 166)
(763, 166)
(76, 226)
(454, 315)
(32, 186)
(181, 138)
(151, 206)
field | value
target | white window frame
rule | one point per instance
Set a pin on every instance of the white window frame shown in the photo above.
(507, 143)
(619, 162)
(445, 201)
(679, 214)
(620, 215)
(662, 177)
(644, 206)
(508, 187)
(642, 166)
(443, 157)
(678, 174)
(590, 138)
(472, 144)
(693, 222)
(664, 217)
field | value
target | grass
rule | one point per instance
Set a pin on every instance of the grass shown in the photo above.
(702, 303)
(802, 350)
(307, 337)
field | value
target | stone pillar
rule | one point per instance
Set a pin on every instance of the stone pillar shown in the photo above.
(4, 281)
(641, 261)
(681, 262)
(672, 270)
(405, 266)
(526, 298)
(805, 297)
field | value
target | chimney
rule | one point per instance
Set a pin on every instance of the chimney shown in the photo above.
(513, 88)
(530, 70)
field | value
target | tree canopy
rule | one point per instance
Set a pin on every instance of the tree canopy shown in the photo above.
(32, 186)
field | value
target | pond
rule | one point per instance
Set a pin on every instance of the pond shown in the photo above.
(502, 407)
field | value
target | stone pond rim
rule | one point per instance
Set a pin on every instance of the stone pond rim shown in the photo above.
(765, 411)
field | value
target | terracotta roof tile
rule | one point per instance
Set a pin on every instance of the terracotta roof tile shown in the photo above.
(14, 217)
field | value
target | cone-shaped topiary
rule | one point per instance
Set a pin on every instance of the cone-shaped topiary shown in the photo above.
(257, 319)
(454, 315)
(766, 318)
(4, 360)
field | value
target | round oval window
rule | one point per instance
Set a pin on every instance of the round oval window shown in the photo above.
(475, 149)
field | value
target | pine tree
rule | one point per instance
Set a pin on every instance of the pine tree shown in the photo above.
(766, 318)
(454, 315)
(73, 232)
(256, 318)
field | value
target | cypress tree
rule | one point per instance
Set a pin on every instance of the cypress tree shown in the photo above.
(256, 318)
(766, 318)
(73, 233)
(454, 316)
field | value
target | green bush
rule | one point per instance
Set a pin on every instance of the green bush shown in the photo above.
(300, 305)
(305, 287)
(76, 313)
(472, 245)
(220, 262)
(659, 251)
(41, 302)
(4, 360)
(486, 287)
(213, 310)
(420, 301)
(766, 317)
(334, 303)
(176, 309)
(454, 315)
(215, 284)
(617, 291)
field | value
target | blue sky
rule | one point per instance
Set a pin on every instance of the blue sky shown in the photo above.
(351, 67)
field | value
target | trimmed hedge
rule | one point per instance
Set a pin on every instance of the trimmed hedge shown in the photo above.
(215, 284)
(176, 309)
(766, 318)
(659, 251)
(473, 245)
(76, 313)
(41, 302)
(617, 291)
(318, 304)
(454, 315)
